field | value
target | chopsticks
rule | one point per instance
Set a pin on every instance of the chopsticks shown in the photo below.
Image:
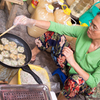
(11, 28)
(8, 30)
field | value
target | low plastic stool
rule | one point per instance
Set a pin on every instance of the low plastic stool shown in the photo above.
(62, 76)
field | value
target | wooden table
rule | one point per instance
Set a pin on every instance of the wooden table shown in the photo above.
(12, 10)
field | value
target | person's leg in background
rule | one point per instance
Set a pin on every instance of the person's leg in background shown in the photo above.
(34, 51)
(57, 42)
(41, 44)
(73, 86)
(61, 97)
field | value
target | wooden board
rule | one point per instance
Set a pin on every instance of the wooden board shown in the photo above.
(20, 2)
(2, 4)
(12, 15)
(9, 6)
(14, 80)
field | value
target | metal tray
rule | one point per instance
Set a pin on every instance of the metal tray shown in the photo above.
(24, 92)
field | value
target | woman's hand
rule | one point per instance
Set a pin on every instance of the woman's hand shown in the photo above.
(23, 20)
(70, 58)
(68, 53)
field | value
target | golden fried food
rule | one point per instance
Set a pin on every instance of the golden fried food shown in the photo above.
(21, 56)
(13, 56)
(1, 47)
(7, 47)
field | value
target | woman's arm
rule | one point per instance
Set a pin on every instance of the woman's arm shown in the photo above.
(42, 24)
(80, 71)
(23, 20)
(70, 58)
(72, 31)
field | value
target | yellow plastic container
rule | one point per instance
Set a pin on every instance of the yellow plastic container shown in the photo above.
(36, 68)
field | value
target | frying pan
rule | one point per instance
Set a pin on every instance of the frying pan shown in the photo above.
(27, 52)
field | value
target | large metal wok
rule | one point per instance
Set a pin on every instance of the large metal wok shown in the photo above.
(25, 67)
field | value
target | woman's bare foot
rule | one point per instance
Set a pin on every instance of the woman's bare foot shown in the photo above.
(61, 97)
(33, 58)
(34, 51)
